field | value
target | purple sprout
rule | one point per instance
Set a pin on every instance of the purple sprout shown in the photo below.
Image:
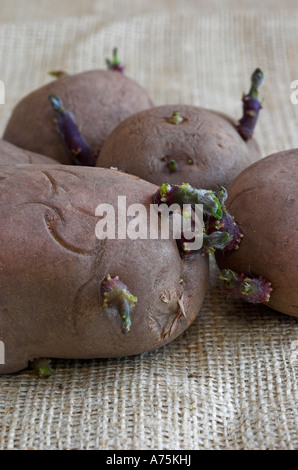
(251, 107)
(220, 233)
(75, 143)
(115, 64)
(225, 225)
(239, 286)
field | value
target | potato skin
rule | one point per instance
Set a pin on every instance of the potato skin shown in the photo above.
(209, 139)
(99, 100)
(52, 266)
(12, 155)
(264, 201)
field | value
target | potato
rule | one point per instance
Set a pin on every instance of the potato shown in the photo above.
(10, 154)
(178, 144)
(54, 270)
(99, 101)
(264, 201)
(205, 149)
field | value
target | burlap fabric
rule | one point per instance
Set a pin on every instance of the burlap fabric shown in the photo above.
(229, 381)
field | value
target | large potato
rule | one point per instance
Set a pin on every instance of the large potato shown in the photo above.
(99, 101)
(205, 150)
(52, 268)
(264, 201)
(10, 154)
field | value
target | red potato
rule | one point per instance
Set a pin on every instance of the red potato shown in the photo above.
(10, 154)
(205, 150)
(179, 143)
(264, 201)
(95, 102)
(57, 299)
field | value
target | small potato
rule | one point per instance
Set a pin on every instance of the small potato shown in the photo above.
(10, 154)
(57, 299)
(264, 202)
(99, 100)
(204, 149)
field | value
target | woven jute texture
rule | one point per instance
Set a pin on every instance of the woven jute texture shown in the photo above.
(230, 381)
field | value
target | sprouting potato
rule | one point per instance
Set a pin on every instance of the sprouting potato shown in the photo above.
(65, 293)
